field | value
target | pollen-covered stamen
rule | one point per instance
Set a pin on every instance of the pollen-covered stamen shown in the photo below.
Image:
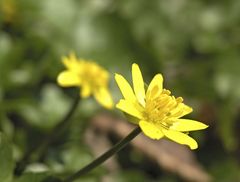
(161, 109)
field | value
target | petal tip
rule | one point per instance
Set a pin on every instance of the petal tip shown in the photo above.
(60, 79)
(117, 76)
(194, 147)
(135, 66)
(205, 126)
(159, 75)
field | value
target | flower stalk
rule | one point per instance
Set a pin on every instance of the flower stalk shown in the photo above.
(116, 148)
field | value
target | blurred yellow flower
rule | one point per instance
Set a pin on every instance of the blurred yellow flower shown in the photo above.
(158, 113)
(88, 75)
(9, 10)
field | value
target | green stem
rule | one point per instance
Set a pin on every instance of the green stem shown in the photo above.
(116, 148)
(57, 130)
(41, 148)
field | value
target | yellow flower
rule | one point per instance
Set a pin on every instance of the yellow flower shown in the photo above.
(9, 10)
(88, 75)
(158, 113)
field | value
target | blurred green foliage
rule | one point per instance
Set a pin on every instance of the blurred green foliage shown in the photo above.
(6, 159)
(195, 44)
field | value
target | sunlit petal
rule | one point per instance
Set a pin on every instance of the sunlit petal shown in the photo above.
(85, 91)
(125, 88)
(104, 97)
(180, 138)
(129, 108)
(150, 130)
(138, 84)
(156, 86)
(181, 110)
(187, 125)
(186, 109)
(71, 62)
(68, 78)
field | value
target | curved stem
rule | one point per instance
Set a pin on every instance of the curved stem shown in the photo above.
(41, 148)
(116, 148)
(58, 129)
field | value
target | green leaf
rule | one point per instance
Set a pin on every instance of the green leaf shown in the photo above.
(53, 105)
(36, 177)
(227, 116)
(130, 175)
(31, 177)
(6, 159)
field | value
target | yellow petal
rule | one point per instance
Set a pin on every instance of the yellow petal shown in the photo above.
(180, 138)
(129, 108)
(85, 91)
(181, 111)
(187, 125)
(68, 79)
(103, 97)
(70, 61)
(186, 109)
(138, 84)
(156, 86)
(150, 130)
(125, 88)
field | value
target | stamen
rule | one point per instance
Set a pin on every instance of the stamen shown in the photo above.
(162, 108)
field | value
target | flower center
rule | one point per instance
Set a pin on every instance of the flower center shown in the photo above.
(94, 75)
(162, 108)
